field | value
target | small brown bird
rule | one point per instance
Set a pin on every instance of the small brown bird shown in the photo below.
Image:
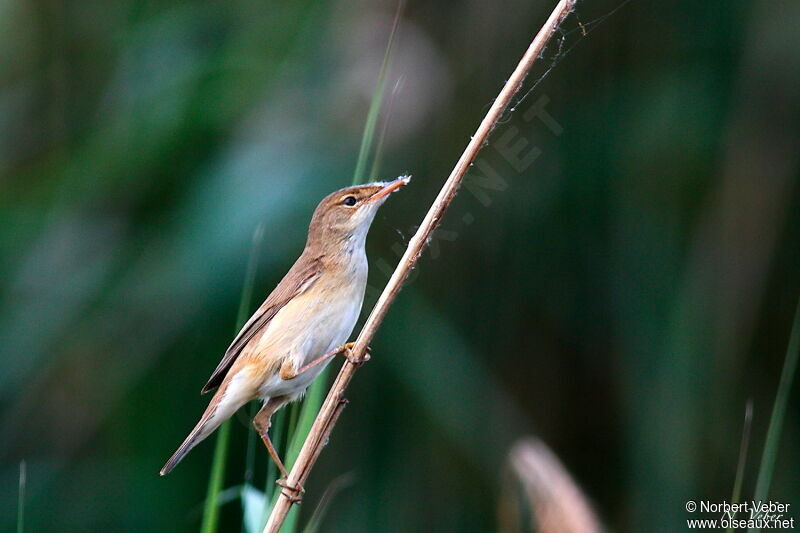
(303, 323)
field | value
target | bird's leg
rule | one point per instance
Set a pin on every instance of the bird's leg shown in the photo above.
(287, 372)
(262, 421)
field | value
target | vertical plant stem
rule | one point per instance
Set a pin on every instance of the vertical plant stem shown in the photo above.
(376, 162)
(335, 401)
(211, 506)
(778, 412)
(250, 456)
(294, 416)
(375, 104)
(743, 447)
(23, 482)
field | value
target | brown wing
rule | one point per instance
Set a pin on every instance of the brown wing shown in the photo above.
(298, 280)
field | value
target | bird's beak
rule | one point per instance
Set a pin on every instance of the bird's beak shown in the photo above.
(389, 188)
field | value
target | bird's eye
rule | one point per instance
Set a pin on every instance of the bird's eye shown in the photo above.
(349, 201)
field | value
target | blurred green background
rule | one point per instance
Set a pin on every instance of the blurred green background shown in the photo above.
(620, 288)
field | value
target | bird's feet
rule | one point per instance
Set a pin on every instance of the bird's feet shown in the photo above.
(293, 493)
(288, 371)
(347, 351)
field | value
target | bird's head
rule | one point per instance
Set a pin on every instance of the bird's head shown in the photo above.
(346, 214)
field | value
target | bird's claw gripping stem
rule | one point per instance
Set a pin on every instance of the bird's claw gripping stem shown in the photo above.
(347, 351)
(288, 372)
(293, 493)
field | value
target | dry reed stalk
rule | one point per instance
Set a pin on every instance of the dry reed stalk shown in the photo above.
(558, 503)
(335, 400)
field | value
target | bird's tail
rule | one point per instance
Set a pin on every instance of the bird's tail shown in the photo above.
(219, 409)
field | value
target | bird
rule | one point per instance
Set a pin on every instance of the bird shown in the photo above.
(302, 324)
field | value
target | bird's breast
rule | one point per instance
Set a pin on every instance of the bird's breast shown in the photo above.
(310, 325)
